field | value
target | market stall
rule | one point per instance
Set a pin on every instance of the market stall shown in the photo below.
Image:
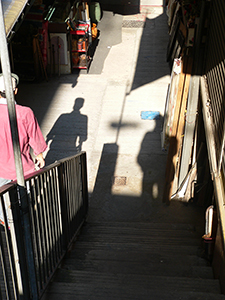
(55, 39)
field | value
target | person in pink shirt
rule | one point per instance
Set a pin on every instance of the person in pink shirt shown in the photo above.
(30, 136)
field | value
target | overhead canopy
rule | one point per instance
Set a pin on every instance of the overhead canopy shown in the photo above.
(12, 10)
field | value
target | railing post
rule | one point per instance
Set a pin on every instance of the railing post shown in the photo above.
(63, 180)
(83, 159)
(28, 242)
(63, 204)
(18, 246)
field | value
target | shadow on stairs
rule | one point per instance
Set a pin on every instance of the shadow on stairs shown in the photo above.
(133, 260)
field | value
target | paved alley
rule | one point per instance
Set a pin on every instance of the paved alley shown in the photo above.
(100, 113)
(129, 230)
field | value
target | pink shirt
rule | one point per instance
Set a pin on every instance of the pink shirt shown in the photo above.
(30, 135)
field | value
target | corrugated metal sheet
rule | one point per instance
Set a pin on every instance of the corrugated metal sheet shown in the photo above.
(215, 71)
(12, 10)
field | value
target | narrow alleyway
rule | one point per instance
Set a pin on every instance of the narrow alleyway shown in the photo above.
(129, 233)
(101, 112)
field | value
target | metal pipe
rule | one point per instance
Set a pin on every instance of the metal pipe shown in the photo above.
(4, 56)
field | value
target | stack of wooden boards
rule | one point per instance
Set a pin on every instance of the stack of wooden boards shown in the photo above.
(181, 122)
(174, 125)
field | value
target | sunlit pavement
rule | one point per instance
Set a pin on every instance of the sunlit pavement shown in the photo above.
(100, 112)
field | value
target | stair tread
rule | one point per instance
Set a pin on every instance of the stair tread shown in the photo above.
(136, 281)
(128, 260)
(157, 239)
(116, 231)
(141, 225)
(161, 268)
(65, 291)
(143, 229)
(137, 256)
(143, 233)
(132, 245)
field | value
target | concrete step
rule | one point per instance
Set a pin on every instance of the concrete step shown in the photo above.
(156, 234)
(131, 260)
(139, 248)
(158, 268)
(58, 291)
(139, 284)
(155, 248)
(143, 229)
(140, 240)
(149, 256)
(142, 233)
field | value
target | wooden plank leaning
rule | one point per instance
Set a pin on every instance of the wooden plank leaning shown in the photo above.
(177, 128)
(181, 125)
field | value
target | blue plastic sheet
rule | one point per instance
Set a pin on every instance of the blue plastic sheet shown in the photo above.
(150, 115)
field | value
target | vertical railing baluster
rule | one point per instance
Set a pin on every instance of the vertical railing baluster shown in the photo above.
(58, 202)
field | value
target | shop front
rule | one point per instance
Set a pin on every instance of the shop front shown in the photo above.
(54, 38)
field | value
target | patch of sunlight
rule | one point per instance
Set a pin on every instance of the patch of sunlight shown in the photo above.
(125, 191)
(155, 190)
(134, 181)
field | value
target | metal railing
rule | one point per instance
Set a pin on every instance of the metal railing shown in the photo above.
(58, 204)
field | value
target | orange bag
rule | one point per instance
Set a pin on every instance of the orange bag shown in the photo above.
(94, 31)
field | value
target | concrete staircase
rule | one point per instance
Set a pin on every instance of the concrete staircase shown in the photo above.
(132, 247)
(133, 260)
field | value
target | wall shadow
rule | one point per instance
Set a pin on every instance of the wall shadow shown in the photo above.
(124, 205)
(121, 7)
(151, 63)
(67, 134)
(39, 97)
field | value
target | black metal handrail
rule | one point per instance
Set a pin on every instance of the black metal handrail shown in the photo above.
(58, 205)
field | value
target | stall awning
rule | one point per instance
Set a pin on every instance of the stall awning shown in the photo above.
(12, 10)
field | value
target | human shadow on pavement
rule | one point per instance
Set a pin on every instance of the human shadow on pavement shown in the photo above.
(151, 159)
(68, 134)
(115, 197)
